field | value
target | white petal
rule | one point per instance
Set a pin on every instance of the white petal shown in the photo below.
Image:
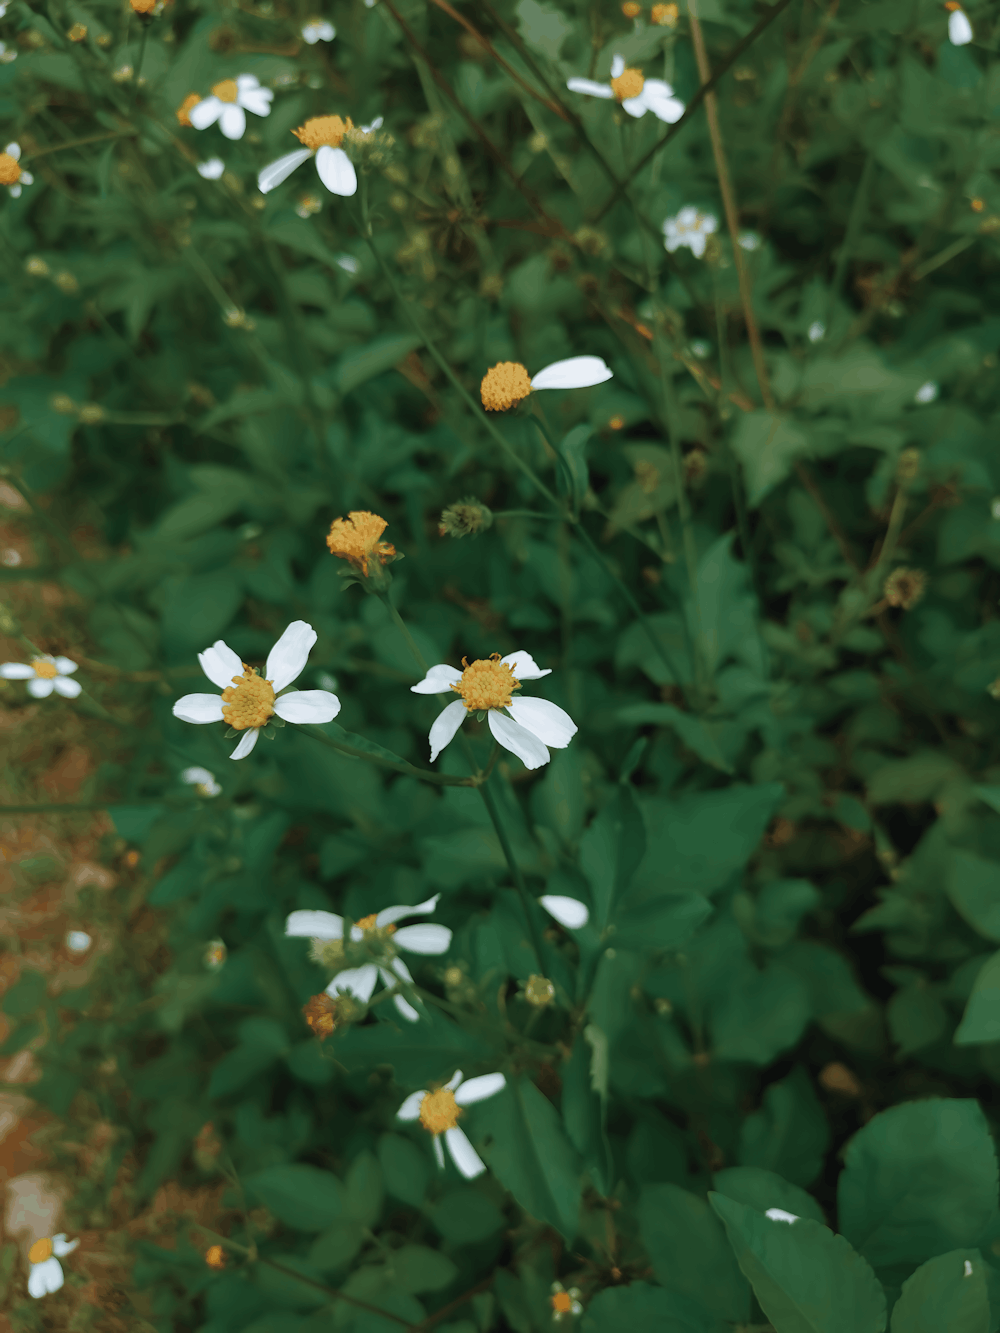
(316, 706)
(410, 1110)
(779, 1215)
(438, 1152)
(212, 169)
(697, 244)
(246, 83)
(220, 664)
(463, 1154)
(45, 1278)
(455, 1080)
(258, 101)
(232, 121)
(390, 915)
(314, 925)
(196, 774)
(13, 150)
(402, 972)
(478, 1089)
(579, 372)
(550, 723)
(64, 665)
(569, 912)
(27, 178)
(359, 981)
(310, 34)
(248, 741)
(617, 66)
(524, 666)
(375, 125)
(591, 88)
(439, 680)
(336, 171)
(406, 1009)
(69, 689)
(659, 98)
(959, 28)
(16, 671)
(513, 737)
(14, 191)
(635, 106)
(199, 708)
(61, 1246)
(39, 688)
(289, 655)
(278, 171)
(205, 113)
(426, 938)
(444, 727)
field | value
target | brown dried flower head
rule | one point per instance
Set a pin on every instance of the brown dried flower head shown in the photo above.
(905, 587)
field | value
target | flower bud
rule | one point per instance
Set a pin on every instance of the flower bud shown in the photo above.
(465, 518)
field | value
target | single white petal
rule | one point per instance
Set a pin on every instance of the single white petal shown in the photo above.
(390, 915)
(426, 938)
(69, 689)
(246, 83)
(336, 171)
(444, 727)
(232, 120)
(375, 125)
(196, 774)
(569, 912)
(205, 113)
(199, 708)
(14, 191)
(258, 101)
(220, 664)
(358, 981)
(439, 680)
(406, 1009)
(617, 66)
(696, 242)
(289, 655)
(659, 98)
(513, 737)
(478, 1089)
(61, 1246)
(77, 941)
(45, 1278)
(410, 1110)
(248, 741)
(27, 178)
(280, 170)
(315, 706)
(635, 106)
(13, 150)
(16, 671)
(39, 688)
(64, 665)
(212, 169)
(550, 723)
(314, 925)
(524, 666)
(779, 1215)
(591, 88)
(463, 1154)
(438, 1152)
(309, 34)
(455, 1080)
(402, 972)
(959, 28)
(579, 372)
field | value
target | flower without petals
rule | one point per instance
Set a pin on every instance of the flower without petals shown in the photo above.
(508, 382)
(321, 137)
(46, 1273)
(438, 1111)
(44, 674)
(635, 94)
(248, 700)
(357, 539)
(228, 104)
(202, 780)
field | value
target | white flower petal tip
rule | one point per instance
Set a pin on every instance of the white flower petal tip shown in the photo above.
(578, 372)
(246, 744)
(591, 89)
(211, 170)
(77, 941)
(547, 721)
(967, 1272)
(314, 925)
(569, 912)
(289, 655)
(308, 706)
(462, 1153)
(478, 1089)
(518, 740)
(45, 1278)
(272, 176)
(424, 939)
(445, 727)
(318, 30)
(779, 1215)
(356, 981)
(524, 666)
(959, 28)
(927, 393)
(617, 66)
(439, 680)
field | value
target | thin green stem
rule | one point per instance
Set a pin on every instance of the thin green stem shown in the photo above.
(515, 871)
(397, 765)
(401, 625)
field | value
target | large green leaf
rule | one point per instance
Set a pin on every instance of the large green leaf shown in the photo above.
(947, 1294)
(303, 1197)
(981, 1020)
(687, 1247)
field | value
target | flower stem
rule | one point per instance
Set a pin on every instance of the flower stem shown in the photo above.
(402, 627)
(397, 765)
(515, 870)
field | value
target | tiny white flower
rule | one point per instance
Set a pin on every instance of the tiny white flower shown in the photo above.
(816, 331)
(525, 727)
(212, 169)
(959, 28)
(77, 941)
(11, 173)
(749, 241)
(46, 1273)
(438, 1112)
(379, 933)
(202, 780)
(566, 1303)
(249, 700)
(635, 94)
(44, 674)
(318, 30)
(321, 137)
(308, 205)
(779, 1215)
(995, 507)
(701, 348)
(569, 912)
(215, 954)
(228, 104)
(926, 393)
(691, 227)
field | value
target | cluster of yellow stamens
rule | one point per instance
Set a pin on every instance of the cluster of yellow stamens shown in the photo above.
(439, 1111)
(226, 91)
(40, 1251)
(629, 83)
(10, 171)
(47, 670)
(191, 100)
(356, 537)
(249, 701)
(486, 683)
(323, 131)
(503, 385)
(562, 1302)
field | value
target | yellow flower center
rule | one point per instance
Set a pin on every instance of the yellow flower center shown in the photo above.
(77, 33)
(226, 91)
(486, 683)
(439, 1111)
(249, 701)
(191, 100)
(215, 1256)
(10, 172)
(628, 84)
(323, 131)
(356, 537)
(664, 15)
(47, 670)
(40, 1251)
(562, 1302)
(504, 385)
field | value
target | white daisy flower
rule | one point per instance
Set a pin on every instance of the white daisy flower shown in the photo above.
(322, 137)
(566, 1304)
(636, 94)
(46, 1273)
(816, 331)
(228, 104)
(77, 941)
(202, 780)
(438, 1112)
(11, 173)
(779, 1215)
(248, 700)
(959, 27)
(569, 912)
(212, 169)
(691, 227)
(927, 392)
(318, 30)
(378, 932)
(525, 727)
(44, 674)
(508, 382)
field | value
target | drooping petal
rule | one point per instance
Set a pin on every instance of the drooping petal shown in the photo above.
(64, 665)
(375, 125)
(406, 1009)
(455, 1080)
(569, 912)
(659, 97)
(247, 742)
(289, 655)
(358, 981)
(205, 113)
(316, 706)
(336, 171)
(61, 1246)
(220, 664)
(591, 88)
(196, 774)
(478, 1089)
(199, 708)
(314, 925)
(959, 28)
(426, 938)
(524, 666)
(69, 689)
(233, 121)
(40, 689)
(410, 1110)
(578, 372)
(463, 1154)
(22, 671)
(279, 171)
(513, 737)
(439, 679)
(438, 1152)
(390, 915)
(550, 723)
(444, 727)
(635, 106)
(45, 1278)
(617, 66)
(257, 100)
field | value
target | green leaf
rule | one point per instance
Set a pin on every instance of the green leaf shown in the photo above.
(806, 1278)
(759, 1015)
(981, 1020)
(364, 1189)
(25, 996)
(762, 1190)
(336, 1247)
(574, 478)
(133, 822)
(364, 363)
(405, 1168)
(464, 1216)
(662, 923)
(701, 735)
(419, 1268)
(947, 1294)
(916, 1017)
(789, 1134)
(918, 1179)
(974, 889)
(767, 445)
(641, 1306)
(687, 1247)
(303, 1197)
(611, 851)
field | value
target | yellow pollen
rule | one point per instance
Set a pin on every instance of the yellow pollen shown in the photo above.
(504, 385)
(249, 701)
(10, 172)
(191, 100)
(40, 1251)
(323, 131)
(356, 538)
(47, 670)
(664, 15)
(226, 91)
(628, 84)
(439, 1111)
(562, 1302)
(486, 683)
(215, 1256)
